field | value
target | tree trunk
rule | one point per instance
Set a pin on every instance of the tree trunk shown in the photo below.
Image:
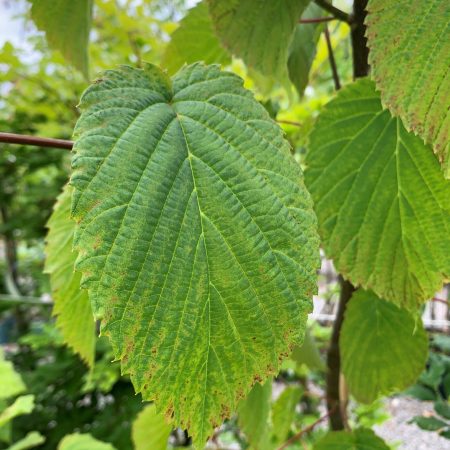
(336, 401)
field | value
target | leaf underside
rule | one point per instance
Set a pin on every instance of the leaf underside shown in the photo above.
(67, 24)
(411, 67)
(196, 236)
(383, 348)
(72, 308)
(258, 31)
(194, 40)
(382, 202)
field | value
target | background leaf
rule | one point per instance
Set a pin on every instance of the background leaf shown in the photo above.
(194, 40)
(380, 197)
(359, 439)
(430, 423)
(10, 381)
(31, 440)
(257, 31)
(67, 24)
(308, 353)
(254, 415)
(196, 236)
(71, 304)
(21, 405)
(303, 48)
(79, 441)
(384, 349)
(283, 413)
(411, 67)
(150, 430)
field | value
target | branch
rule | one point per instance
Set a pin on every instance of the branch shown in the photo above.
(334, 402)
(289, 122)
(337, 13)
(337, 83)
(317, 20)
(22, 139)
(440, 300)
(304, 431)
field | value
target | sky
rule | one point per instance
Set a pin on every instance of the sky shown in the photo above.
(11, 29)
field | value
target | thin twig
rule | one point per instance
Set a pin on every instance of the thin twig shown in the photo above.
(22, 139)
(317, 20)
(305, 430)
(339, 14)
(289, 122)
(440, 300)
(337, 83)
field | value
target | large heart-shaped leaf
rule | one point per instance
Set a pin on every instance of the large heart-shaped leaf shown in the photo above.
(382, 202)
(410, 55)
(196, 236)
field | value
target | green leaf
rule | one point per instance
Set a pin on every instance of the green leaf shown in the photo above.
(67, 24)
(442, 342)
(283, 413)
(196, 236)
(32, 439)
(22, 405)
(359, 439)
(150, 430)
(442, 408)
(446, 385)
(303, 48)
(411, 67)
(432, 377)
(445, 433)
(382, 203)
(383, 348)
(71, 304)
(10, 381)
(194, 40)
(429, 423)
(421, 392)
(77, 441)
(258, 31)
(308, 353)
(253, 415)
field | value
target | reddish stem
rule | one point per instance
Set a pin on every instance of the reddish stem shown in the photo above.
(22, 139)
(305, 430)
(317, 20)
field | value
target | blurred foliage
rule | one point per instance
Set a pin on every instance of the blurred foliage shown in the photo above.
(68, 397)
(434, 385)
